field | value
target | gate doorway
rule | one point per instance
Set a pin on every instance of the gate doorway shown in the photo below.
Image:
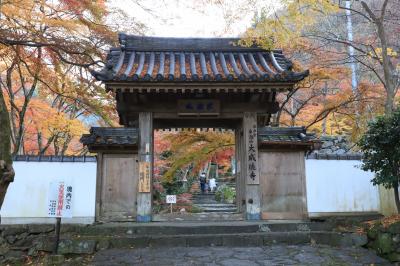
(198, 165)
(167, 83)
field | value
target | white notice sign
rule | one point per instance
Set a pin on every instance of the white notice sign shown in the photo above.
(60, 200)
(171, 198)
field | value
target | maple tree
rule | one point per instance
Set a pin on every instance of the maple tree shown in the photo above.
(47, 50)
(6, 169)
(195, 148)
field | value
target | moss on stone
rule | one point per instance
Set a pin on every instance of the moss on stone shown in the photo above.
(393, 257)
(384, 243)
(372, 233)
(394, 228)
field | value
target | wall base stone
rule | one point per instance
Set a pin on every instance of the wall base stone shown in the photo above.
(385, 240)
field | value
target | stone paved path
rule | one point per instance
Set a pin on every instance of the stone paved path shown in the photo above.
(246, 256)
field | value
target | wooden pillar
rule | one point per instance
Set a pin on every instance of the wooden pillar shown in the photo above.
(250, 157)
(240, 175)
(238, 170)
(144, 198)
(99, 185)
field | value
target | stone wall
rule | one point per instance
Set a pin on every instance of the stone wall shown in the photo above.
(336, 145)
(20, 244)
(385, 240)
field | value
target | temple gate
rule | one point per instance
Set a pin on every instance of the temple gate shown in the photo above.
(162, 83)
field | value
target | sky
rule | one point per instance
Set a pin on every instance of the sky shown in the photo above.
(194, 18)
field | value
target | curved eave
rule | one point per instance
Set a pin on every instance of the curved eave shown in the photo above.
(182, 87)
(287, 77)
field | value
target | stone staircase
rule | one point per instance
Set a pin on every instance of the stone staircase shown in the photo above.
(207, 203)
(209, 209)
(194, 234)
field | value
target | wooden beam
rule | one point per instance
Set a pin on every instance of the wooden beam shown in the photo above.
(196, 123)
(144, 198)
(250, 156)
(161, 106)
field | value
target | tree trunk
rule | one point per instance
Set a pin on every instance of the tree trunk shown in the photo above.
(6, 169)
(389, 103)
(388, 67)
(396, 196)
(292, 120)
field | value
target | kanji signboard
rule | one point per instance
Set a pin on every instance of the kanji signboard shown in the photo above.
(60, 199)
(252, 154)
(198, 107)
(144, 177)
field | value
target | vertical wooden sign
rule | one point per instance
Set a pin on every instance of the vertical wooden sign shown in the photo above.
(251, 152)
(144, 177)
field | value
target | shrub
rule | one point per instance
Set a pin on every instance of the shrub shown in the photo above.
(225, 193)
(381, 148)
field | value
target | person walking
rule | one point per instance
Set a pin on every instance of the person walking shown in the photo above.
(212, 184)
(203, 181)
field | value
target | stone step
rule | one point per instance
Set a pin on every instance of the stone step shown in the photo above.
(216, 205)
(205, 201)
(209, 209)
(193, 227)
(204, 198)
(227, 240)
(199, 217)
(209, 194)
(200, 203)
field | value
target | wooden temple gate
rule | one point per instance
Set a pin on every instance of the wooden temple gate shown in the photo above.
(162, 83)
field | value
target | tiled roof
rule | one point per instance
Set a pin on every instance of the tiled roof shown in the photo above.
(101, 137)
(53, 158)
(156, 59)
(273, 136)
(346, 156)
(107, 136)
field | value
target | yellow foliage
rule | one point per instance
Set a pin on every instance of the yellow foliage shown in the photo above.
(378, 53)
(284, 29)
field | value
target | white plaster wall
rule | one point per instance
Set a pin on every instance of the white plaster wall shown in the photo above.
(26, 198)
(333, 186)
(339, 186)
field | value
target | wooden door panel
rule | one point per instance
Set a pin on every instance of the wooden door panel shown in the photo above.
(119, 188)
(283, 185)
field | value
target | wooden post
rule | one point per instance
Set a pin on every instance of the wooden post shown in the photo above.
(237, 171)
(57, 241)
(144, 198)
(250, 157)
(99, 186)
(240, 175)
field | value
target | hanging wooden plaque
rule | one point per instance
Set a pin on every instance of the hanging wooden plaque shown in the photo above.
(198, 107)
(144, 177)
